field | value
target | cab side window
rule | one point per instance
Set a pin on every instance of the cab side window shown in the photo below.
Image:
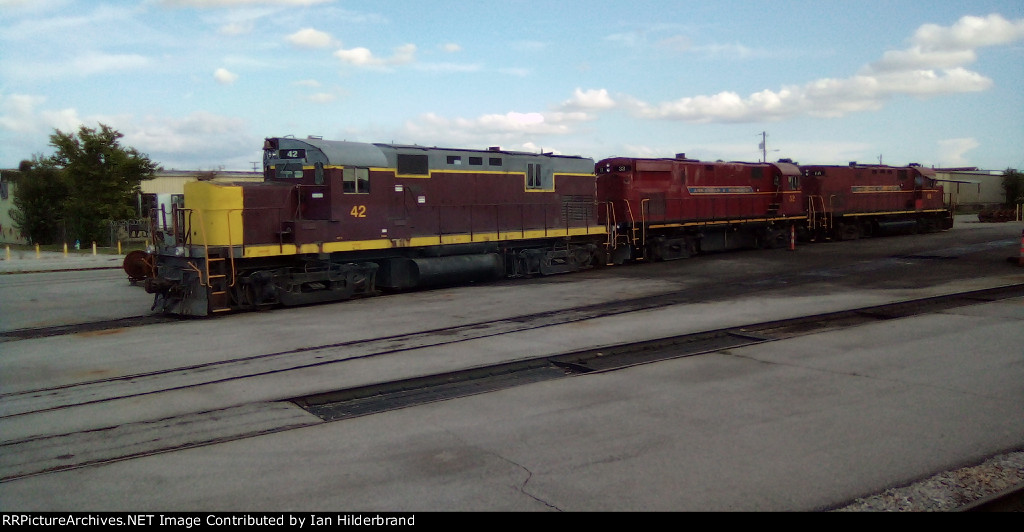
(356, 180)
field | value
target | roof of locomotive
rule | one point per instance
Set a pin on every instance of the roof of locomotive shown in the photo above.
(337, 152)
(925, 171)
(785, 167)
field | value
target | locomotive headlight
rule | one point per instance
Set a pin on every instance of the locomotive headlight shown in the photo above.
(179, 251)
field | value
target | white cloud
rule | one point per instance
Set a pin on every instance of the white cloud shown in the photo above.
(508, 128)
(724, 107)
(512, 121)
(451, 47)
(513, 128)
(21, 4)
(199, 140)
(532, 147)
(676, 43)
(322, 97)
(935, 46)
(952, 151)
(928, 82)
(449, 67)
(235, 22)
(310, 38)
(225, 76)
(20, 113)
(68, 25)
(917, 58)
(628, 39)
(970, 32)
(933, 65)
(363, 57)
(84, 64)
(62, 119)
(356, 56)
(96, 63)
(589, 99)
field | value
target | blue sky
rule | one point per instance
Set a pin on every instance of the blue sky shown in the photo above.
(198, 84)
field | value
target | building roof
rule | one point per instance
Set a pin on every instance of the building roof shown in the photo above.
(216, 174)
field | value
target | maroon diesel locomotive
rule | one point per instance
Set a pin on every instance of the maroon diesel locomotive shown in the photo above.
(847, 202)
(333, 220)
(661, 209)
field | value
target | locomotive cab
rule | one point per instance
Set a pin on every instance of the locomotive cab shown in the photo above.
(325, 190)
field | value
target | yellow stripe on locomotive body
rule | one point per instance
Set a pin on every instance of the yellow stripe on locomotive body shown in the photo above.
(275, 250)
(875, 189)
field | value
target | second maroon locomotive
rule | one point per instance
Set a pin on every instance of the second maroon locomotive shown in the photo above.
(660, 209)
(672, 208)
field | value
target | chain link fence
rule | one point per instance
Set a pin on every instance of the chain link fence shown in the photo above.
(130, 233)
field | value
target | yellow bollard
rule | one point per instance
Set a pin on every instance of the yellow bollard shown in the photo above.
(37, 251)
(7, 252)
(118, 247)
(93, 248)
(1021, 259)
(65, 250)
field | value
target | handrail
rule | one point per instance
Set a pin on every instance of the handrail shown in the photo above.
(645, 207)
(611, 226)
(632, 222)
(206, 252)
(826, 214)
(231, 249)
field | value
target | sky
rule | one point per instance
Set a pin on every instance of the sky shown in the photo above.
(198, 84)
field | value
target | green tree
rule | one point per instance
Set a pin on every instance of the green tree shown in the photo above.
(39, 200)
(103, 179)
(1013, 184)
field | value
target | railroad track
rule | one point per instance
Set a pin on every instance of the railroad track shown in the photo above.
(44, 453)
(722, 288)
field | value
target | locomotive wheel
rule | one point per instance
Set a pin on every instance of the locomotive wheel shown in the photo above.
(849, 232)
(248, 293)
(776, 239)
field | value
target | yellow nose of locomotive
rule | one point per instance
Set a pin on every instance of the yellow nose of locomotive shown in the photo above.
(213, 213)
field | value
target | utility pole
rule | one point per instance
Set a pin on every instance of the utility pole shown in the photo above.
(764, 147)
